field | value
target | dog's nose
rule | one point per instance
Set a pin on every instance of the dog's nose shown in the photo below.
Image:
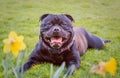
(56, 29)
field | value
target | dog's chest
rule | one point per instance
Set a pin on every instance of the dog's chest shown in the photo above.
(53, 58)
(56, 58)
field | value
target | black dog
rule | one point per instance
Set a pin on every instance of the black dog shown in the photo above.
(60, 42)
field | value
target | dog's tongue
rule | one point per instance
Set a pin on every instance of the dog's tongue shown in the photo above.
(56, 40)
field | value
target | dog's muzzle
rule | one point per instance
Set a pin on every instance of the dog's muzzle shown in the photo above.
(54, 37)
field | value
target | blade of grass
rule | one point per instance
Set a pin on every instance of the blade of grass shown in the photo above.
(51, 70)
(18, 61)
(70, 71)
(57, 73)
(23, 55)
(5, 66)
(14, 71)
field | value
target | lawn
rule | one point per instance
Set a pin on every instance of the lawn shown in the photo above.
(100, 17)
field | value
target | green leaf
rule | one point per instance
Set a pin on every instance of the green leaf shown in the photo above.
(51, 70)
(57, 73)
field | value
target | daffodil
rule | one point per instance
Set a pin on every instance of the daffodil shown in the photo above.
(13, 43)
(111, 66)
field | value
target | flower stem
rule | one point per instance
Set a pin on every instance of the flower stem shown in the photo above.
(23, 55)
(5, 66)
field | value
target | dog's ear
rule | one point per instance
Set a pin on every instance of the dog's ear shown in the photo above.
(43, 16)
(70, 17)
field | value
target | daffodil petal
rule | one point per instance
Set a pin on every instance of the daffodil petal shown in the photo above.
(22, 46)
(5, 40)
(20, 38)
(12, 35)
(6, 47)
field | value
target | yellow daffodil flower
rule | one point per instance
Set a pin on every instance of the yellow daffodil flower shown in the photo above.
(111, 66)
(13, 43)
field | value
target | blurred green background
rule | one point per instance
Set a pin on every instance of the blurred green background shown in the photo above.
(100, 17)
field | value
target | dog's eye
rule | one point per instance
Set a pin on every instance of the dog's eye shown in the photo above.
(49, 24)
(64, 24)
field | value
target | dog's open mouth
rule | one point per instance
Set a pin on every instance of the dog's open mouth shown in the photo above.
(56, 41)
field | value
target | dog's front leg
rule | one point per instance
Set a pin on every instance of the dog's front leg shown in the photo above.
(31, 61)
(72, 60)
(34, 58)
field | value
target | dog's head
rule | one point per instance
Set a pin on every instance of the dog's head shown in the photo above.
(56, 30)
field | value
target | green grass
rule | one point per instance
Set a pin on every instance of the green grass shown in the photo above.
(100, 17)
